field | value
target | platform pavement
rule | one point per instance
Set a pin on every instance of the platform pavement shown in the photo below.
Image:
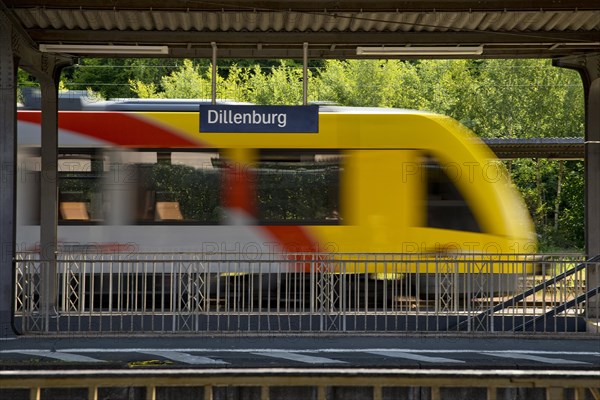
(340, 351)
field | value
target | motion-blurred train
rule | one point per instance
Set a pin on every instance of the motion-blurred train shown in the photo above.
(140, 173)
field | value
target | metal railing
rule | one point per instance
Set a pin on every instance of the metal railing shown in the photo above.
(313, 383)
(304, 292)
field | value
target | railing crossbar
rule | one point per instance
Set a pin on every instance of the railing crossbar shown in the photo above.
(561, 308)
(516, 299)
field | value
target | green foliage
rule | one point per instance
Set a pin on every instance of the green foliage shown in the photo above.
(235, 85)
(449, 88)
(301, 194)
(369, 83)
(570, 233)
(185, 83)
(285, 193)
(537, 180)
(24, 79)
(283, 85)
(111, 77)
(352, 83)
(143, 90)
(198, 191)
(527, 98)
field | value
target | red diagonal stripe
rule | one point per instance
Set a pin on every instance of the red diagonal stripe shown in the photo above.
(123, 129)
(239, 187)
(295, 239)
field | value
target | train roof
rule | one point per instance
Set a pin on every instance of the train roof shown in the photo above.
(80, 100)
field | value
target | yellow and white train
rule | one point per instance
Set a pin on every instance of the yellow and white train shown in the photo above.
(139, 174)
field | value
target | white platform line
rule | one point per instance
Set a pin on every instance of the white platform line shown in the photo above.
(58, 355)
(184, 357)
(324, 350)
(416, 357)
(521, 356)
(300, 357)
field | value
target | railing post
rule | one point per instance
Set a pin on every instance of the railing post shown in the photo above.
(377, 392)
(93, 392)
(150, 392)
(322, 393)
(208, 392)
(305, 74)
(214, 73)
(264, 392)
(555, 393)
(35, 393)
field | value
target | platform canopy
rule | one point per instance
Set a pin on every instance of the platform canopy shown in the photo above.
(330, 29)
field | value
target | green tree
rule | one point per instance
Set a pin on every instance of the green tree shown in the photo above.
(449, 87)
(527, 98)
(236, 84)
(189, 81)
(110, 77)
(531, 99)
(281, 85)
(24, 79)
(370, 83)
(185, 83)
(353, 82)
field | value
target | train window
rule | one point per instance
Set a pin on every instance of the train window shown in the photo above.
(446, 207)
(179, 187)
(80, 193)
(298, 187)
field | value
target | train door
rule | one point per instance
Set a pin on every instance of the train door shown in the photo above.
(381, 204)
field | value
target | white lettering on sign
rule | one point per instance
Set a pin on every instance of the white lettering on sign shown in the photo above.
(248, 118)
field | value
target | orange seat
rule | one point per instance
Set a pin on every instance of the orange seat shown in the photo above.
(168, 211)
(74, 211)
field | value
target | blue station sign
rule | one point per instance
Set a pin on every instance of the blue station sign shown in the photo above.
(249, 118)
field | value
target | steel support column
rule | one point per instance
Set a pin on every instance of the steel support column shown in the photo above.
(8, 135)
(16, 45)
(49, 193)
(49, 76)
(589, 69)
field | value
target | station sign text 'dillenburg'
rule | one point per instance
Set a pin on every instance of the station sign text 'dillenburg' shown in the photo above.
(249, 118)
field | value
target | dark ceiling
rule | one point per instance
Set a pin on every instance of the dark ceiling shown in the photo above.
(332, 29)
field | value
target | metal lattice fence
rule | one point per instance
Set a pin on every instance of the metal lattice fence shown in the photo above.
(224, 292)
